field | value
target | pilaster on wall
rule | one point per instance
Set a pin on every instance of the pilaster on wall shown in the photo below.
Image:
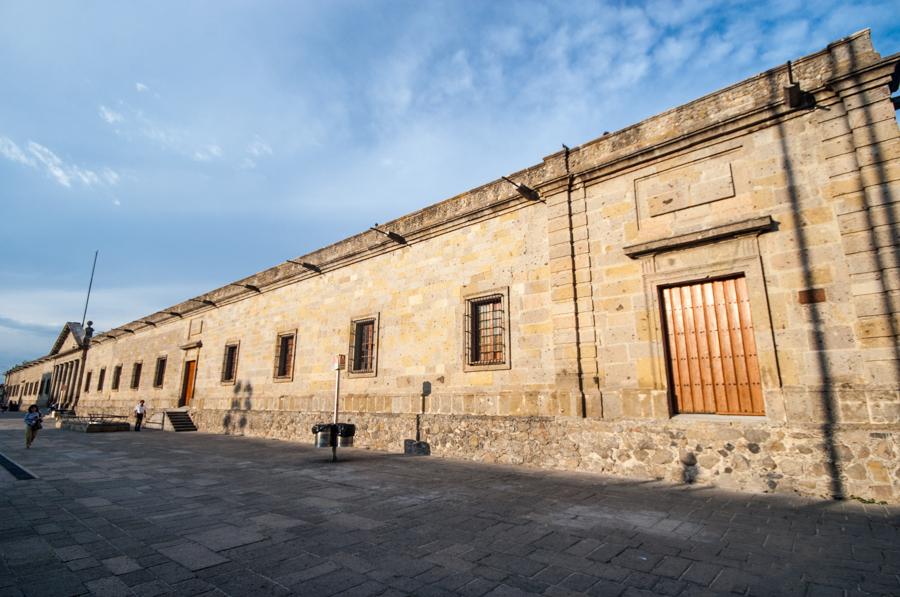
(861, 141)
(571, 292)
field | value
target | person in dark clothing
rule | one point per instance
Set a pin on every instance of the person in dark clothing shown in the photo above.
(32, 424)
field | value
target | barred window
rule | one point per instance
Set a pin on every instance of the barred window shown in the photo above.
(363, 345)
(486, 331)
(229, 363)
(284, 356)
(136, 375)
(160, 374)
(117, 376)
(100, 379)
(87, 382)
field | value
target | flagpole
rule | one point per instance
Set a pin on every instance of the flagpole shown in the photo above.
(91, 283)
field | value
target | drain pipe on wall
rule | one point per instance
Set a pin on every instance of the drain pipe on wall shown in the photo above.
(579, 370)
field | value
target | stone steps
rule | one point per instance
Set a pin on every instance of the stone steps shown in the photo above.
(180, 420)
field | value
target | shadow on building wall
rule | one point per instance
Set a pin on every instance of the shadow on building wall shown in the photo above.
(815, 310)
(242, 401)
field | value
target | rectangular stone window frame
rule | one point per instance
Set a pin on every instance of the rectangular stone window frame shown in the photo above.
(159, 371)
(285, 374)
(87, 381)
(101, 378)
(354, 367)
(136, 370)
(471, 298)
(116, 378)
(751, 268)
(229, 370)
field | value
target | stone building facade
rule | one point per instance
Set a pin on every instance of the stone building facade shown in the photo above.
(711, 295)
(54, 378)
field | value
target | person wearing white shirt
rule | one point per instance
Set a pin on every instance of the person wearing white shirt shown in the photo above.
(139, 411)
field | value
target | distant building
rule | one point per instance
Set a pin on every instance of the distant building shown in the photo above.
(710, 295)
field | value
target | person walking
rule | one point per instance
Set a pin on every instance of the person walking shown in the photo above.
(32, 424)
(139, 411)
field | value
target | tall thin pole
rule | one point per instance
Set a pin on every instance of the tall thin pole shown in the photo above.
(337, 395)
(91, 283)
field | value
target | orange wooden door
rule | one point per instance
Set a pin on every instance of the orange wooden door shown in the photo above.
(187, 387)
(713, 366)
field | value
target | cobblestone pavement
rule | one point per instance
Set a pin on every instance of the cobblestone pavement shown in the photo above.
(192, 514)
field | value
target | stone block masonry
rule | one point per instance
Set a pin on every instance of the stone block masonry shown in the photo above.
(709, 296)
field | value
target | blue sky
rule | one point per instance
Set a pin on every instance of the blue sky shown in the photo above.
(194, 143)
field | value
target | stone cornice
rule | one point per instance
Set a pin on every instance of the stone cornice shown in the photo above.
(683, 241)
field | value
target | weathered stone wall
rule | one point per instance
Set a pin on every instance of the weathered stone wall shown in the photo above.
(34, 373)
(418, 293)
(144, 348)
(799, 202)
(748, 455)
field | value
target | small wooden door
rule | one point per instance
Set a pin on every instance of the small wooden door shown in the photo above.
(713, 366)
(187, 386)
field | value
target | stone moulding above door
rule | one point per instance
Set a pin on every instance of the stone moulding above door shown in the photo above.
(710, 235)
(190, 345)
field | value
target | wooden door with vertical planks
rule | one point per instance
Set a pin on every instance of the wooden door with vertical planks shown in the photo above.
(187, 386)
(713, 366)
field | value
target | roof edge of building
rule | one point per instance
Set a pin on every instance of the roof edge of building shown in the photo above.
(839, 58)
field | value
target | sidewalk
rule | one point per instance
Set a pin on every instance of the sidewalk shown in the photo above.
(156, 513)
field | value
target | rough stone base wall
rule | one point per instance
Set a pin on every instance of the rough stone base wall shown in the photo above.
(745, 455)
(748, 456)
(373, 431)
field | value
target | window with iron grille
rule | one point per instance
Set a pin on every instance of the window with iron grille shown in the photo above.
(160, 374)
(87, 382)
(363, 346)
(284, 356)
(486, 330)
(100, 379)
(117, 376)
(229, 363)
(486, 333)
(136, 375)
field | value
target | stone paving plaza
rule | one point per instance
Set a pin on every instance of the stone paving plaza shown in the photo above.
(157, 513)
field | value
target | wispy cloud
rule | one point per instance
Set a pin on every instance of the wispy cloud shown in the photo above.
(110, 116)
(208, 153)
(40, 157)
(12, 152)
(25, 326)
(257, 149)
(140, 87)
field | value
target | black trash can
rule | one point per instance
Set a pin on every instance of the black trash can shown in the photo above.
(345, 434)
(325, 435)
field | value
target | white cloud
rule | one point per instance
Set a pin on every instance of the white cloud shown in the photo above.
(141, 87)
(38, 156)
(208, 153)
(259, 148)
(110, 176)
(110, 116)
(52, 163)
(11, 151)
